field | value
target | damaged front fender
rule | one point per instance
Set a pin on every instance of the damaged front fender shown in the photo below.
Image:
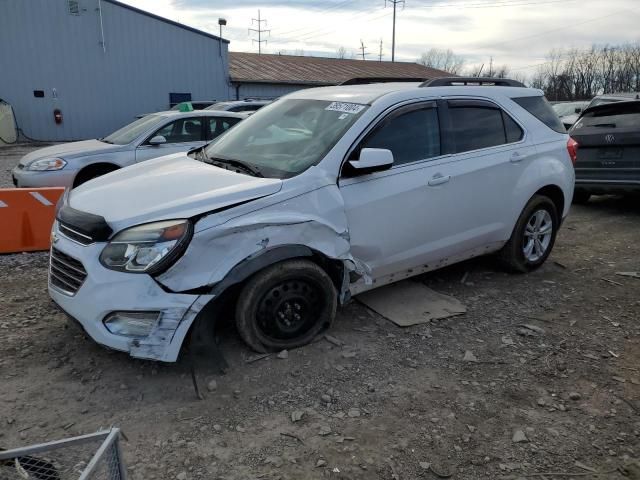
(221, 255)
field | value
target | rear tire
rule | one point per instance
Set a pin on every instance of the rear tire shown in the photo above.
(580, 197)
(286, 306)
(533, 236)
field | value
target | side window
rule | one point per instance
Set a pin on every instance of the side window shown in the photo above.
(182, 130)
(410, 136)
(512, 129)
(218, 126)
(476, 127)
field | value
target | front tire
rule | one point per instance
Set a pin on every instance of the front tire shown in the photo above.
(285, 306)
(533, 236)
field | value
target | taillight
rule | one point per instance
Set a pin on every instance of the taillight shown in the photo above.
(572, 148)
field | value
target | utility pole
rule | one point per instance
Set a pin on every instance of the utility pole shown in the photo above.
(362, 47)
(259, 31)
(393, 38)
(380, 54)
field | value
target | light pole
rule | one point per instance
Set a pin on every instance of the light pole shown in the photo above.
(221, 22)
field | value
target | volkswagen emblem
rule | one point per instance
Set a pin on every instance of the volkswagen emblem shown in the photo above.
(610, 138)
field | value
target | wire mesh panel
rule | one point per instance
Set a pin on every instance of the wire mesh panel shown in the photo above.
(90, 457)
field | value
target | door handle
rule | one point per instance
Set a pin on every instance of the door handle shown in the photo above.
(439, 179)
(516, 157)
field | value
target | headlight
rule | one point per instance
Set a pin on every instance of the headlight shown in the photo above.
(149, 248)
(47, 164)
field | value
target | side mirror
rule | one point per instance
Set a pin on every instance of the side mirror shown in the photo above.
(578, 110)
(157, 140)
(372, 160)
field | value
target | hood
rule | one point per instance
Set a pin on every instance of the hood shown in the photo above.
(174, 186)
(66, 150)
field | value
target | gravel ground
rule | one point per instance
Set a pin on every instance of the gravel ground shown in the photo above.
(554, 388)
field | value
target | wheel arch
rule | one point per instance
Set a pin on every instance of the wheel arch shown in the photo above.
(251, 265)
(555, 193)
(200, 333)
(102, 166)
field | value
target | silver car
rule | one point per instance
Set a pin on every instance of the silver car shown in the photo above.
(155, 135)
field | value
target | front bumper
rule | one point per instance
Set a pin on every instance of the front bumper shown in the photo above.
(34, 179)
(104, 291)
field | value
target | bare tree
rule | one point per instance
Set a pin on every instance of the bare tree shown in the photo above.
(582, 74)
(442, 60)
(341, 53)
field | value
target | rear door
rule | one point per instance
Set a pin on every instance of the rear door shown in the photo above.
(490, 154)
(182, 135)
(609, 145)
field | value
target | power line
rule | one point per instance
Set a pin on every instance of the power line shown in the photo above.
(317, 32)
(393, 38)
(259, 31)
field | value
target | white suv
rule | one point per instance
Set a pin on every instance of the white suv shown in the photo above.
(324, 194)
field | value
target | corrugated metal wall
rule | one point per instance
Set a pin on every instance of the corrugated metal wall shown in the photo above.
(264, 90)
(45, 47)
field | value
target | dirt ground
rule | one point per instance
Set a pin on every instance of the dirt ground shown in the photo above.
(555, 387)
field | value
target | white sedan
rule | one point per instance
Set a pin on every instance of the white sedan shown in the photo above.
(155, 135)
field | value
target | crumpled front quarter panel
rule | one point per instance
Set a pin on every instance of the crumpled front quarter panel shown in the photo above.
(315, 219)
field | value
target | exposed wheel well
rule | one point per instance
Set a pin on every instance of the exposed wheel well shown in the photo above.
(92, 171)
(222, 307)
(230, 287)
(556, 195)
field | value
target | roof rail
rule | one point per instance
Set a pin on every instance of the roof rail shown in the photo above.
(368, 80)
(453, 81)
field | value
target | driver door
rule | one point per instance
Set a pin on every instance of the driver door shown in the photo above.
(182, 135)
(393, 215)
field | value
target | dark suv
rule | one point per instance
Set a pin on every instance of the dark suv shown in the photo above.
(608, 136)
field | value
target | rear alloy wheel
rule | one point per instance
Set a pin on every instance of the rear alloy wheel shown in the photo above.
(533, 236)
(285, 306)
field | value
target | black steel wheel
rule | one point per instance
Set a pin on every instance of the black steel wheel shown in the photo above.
(285, 306)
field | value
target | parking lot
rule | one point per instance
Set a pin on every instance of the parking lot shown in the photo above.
(541, 376)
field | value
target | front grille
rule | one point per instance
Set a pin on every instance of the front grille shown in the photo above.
(65, 273)
(74, 235)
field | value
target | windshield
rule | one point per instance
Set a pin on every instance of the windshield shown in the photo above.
(132, 131)
(287, 137)
(617, 115)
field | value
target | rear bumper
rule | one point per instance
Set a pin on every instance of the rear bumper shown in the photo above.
(607, 186)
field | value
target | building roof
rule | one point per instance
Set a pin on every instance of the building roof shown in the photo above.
(320, 71)
(166, 20)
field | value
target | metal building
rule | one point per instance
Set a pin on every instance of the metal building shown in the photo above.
(270, 76)
(77, 69)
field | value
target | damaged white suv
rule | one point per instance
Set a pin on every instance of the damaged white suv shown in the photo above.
(321, 195)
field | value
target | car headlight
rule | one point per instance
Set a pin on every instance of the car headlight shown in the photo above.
(47, 164)
(149, 248)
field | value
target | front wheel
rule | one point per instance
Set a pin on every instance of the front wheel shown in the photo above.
(533, 236)
(285, 306)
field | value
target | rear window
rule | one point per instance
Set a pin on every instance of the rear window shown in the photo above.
(543, 111)
(620, 115)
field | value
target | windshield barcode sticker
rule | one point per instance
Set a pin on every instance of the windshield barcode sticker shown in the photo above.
(345, 107)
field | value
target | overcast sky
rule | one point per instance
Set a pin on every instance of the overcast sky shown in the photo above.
(518, 33)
